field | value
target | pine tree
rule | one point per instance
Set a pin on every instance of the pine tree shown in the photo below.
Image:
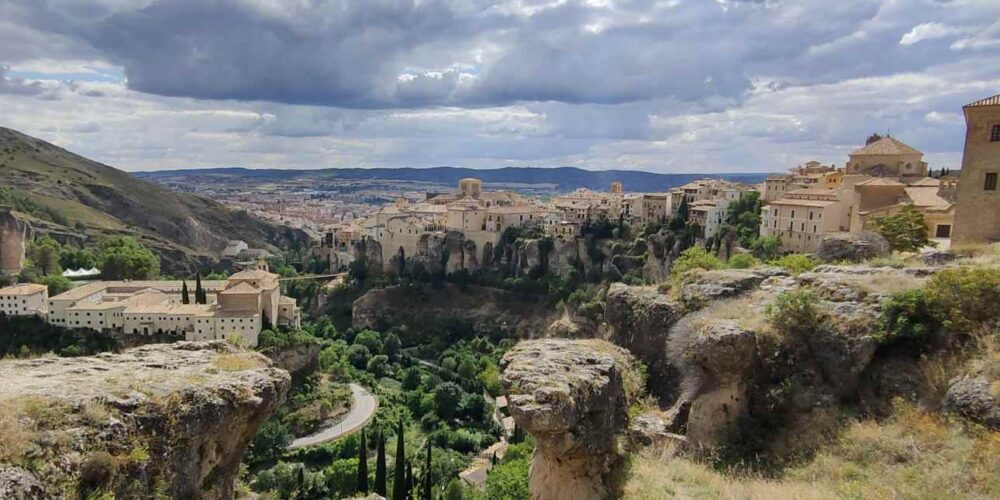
(427, 475)
(399, 479)
(363, 464)
(380, 483)
(185, 296)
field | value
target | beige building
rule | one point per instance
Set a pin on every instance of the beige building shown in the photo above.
(802, 218)
(886, 157)
(237, 308)
(26, 299)
(977, 214)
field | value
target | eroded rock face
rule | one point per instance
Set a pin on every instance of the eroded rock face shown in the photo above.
(639, 319)
(853, 247)
(15, 234)
(701, 287)
(297, 359)
(569, 395)
(171, 419)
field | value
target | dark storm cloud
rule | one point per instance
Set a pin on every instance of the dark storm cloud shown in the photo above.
(405, 53)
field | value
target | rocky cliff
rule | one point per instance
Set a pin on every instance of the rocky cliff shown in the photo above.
(15, 233)
(165, 420)
(570, 396)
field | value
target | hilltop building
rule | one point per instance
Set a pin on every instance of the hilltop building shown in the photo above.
(977, 214)
(238, 307)
(26, 299)
(878, 179)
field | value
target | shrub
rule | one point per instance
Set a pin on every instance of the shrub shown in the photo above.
(743, 261)
(795, 263)
(795, 312)
(906, 315)
(766, 247)
(965, 297)
(905, 230)
(696, 257)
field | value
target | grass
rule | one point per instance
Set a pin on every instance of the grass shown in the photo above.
(633, 371)
(236, 362)
(912, 454)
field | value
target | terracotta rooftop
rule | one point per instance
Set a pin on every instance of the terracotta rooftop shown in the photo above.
(241, 289)
(927, 197)
(887, 146)
(989, 101)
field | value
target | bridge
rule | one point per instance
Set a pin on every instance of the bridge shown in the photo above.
(317, 277)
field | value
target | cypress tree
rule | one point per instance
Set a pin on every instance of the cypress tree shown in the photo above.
(363, 464)
(427, 474)
(409, 479)
(380, 484)
(199, 292)
(185, 296)
(399, 479)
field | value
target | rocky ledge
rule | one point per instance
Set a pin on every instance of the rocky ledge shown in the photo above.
(164, 420)
(570, 396)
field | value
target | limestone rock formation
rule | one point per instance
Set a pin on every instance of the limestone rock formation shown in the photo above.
(853, 247)
(370, 250)
(724, 352)
(700, 287)
(639, 319)
(970, 397)
(298, 358)
(15, 233)
(163, 419)
(569, 395)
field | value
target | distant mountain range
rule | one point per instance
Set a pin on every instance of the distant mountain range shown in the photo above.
(559, 178)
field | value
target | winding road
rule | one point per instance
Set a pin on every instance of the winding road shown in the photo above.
(362, 410)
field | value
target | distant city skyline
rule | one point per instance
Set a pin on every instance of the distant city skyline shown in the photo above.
(662, 86)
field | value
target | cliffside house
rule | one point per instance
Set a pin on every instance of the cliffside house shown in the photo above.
(977, 211)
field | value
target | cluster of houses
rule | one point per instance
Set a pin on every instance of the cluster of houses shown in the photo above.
(235, 309)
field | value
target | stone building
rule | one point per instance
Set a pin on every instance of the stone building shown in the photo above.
(238, 307)
(886, 157)
(26, 299)
(977, 211)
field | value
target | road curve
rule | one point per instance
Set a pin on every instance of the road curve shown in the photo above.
(362, 410)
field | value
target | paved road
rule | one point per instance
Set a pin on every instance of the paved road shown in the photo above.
(362, 410)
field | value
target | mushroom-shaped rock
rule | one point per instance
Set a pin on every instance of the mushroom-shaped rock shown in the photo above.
(569, 395)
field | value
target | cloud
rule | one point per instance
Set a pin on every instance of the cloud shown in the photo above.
(17, 85)
(927, 31)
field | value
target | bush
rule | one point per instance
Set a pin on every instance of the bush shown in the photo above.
(766, 247)
(743, 261)
(905, 230)
(696, 257)
(508, 480)
(57, 283)
(795, 312)
(964, 298)
(795, 263)
(906, 315)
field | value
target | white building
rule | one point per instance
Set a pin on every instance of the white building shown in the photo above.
(26, 299)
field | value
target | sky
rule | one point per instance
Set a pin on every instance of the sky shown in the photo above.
(664, 86)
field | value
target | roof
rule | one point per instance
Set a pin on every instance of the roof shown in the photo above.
(23, 289)
(989, 101)
(250, 274)
(926, 181)
(813, 192)
(880, 181)
(927, 197)
(241, 289)
(887, 146)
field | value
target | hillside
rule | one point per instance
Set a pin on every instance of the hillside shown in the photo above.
(76, 199)
(559, 179)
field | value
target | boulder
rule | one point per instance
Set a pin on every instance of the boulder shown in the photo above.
(569, 395)
(937, 257)
(853, 247)
(970, 397)
(652, 430)
(163, 419)
(17, 483)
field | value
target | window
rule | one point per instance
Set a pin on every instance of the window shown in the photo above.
(995, 133)
(991, 181)
(943, 231)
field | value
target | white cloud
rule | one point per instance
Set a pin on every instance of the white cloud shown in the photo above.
(927, 31)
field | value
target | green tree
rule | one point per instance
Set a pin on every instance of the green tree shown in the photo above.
(508, 480)
(358, 356)
(679, 219)
(694, 258)
(185, 296)
(399, 477)
(380, 483)
(199, 292)
(363, 464)
(905, 230)
(766, 247)
(428, 479)
(44, 254)
(57, 283)
(378, 365)
(269, 443)
(447, 396)
(411, 378)
(124, 257)
(391, 346)
(370, 339)
(342, 478)
(77, 258)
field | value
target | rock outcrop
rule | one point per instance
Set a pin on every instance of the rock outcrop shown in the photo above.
(970, 397)
(853, 247)
(700, 287)
(160, 420)
(639, 319)
(15, 233)
(569, 395)
(297, 359)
